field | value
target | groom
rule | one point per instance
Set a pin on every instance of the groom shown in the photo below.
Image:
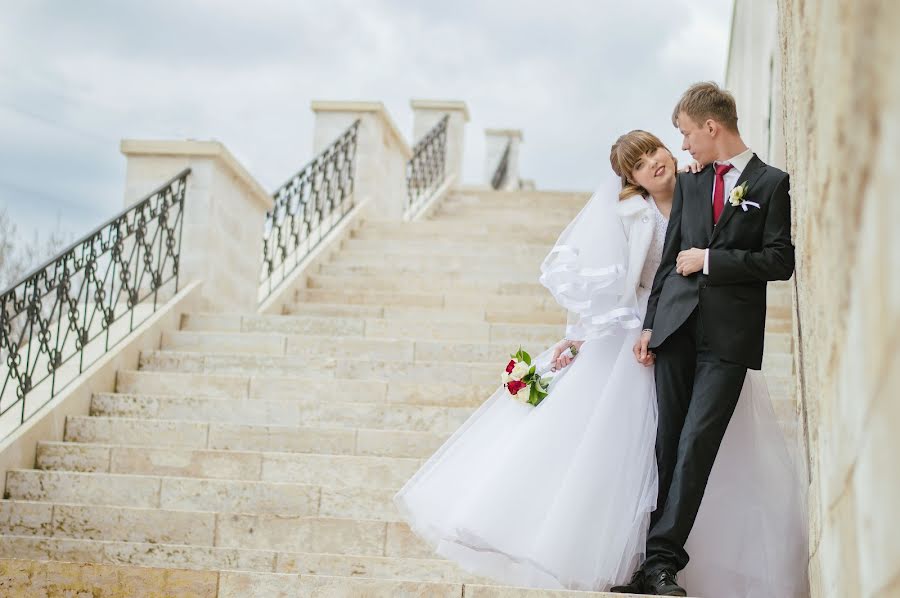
(729, 234)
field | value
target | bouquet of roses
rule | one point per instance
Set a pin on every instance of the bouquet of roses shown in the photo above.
(524, 382)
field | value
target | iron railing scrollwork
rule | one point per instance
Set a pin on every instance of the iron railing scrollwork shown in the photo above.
(307, 208)
(499, 178)
(66, 314)
(426, 170)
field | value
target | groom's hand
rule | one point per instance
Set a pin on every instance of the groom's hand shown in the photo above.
(690, 261)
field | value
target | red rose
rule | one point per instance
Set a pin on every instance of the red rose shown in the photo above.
(514, 386)
(510, 366)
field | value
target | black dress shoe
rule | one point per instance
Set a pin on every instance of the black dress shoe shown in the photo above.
(635, 586)
(662, 583)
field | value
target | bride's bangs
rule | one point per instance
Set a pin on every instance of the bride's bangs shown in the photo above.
(635, 146)
(626, 152)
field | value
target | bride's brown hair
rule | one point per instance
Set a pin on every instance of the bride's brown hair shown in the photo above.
(625, 153)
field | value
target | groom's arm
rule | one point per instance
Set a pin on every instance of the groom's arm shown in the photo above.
(669, 255)
(775, 261)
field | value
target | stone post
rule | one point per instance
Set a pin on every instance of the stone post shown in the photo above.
(427, 113)
(496, 141)
(381, 153)
(224, 212)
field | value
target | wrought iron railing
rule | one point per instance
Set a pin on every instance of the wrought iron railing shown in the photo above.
(72, 310)
(426, 170)
(499, 178)
(306, 209)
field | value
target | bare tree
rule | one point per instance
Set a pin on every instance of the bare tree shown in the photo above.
(17, 259)
(17, 256)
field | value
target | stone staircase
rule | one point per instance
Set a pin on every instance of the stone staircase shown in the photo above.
(255, 455)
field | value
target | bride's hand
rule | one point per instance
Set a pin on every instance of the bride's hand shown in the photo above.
(642, 351)
(693, 167)
(559, 360)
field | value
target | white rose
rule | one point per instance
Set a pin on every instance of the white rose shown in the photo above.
(737, 194)
(523, 395)
(504, 378)
(520, 370)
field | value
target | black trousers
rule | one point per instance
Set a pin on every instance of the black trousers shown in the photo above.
(696, 394)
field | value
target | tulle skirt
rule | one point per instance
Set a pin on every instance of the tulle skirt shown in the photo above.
(559, 496)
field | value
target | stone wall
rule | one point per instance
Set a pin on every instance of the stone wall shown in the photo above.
(753, 71)
(840, 111)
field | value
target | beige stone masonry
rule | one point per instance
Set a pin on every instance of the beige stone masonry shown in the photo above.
(381, 152)
(224, 213)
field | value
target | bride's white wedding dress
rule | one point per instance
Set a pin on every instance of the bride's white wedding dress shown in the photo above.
(559, 496)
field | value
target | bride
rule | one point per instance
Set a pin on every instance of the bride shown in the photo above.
(559, 496)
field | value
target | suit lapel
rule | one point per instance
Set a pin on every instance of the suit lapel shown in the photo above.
(751, 173)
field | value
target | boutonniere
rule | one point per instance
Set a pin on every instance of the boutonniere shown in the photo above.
(739, 197)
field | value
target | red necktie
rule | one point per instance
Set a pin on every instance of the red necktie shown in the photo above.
(719, 191)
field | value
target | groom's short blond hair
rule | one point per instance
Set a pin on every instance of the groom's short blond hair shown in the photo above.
(706, 100)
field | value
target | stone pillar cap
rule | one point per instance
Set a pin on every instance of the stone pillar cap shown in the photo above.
(201, 149)
(504, 133)
(455, 105)
(364, 106)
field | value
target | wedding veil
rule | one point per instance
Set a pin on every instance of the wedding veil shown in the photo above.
(586, 269)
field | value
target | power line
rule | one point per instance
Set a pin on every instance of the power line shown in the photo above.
(57, 124)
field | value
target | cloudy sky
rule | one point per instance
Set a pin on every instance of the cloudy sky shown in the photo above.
(76, 77)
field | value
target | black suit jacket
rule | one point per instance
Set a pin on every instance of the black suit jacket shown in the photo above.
(747, 249)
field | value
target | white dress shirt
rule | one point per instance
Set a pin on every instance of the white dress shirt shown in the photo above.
(731, 177)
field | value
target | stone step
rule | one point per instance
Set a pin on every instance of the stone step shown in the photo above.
(339, 369)
(454, 231)
(298, 412)
(779, 325)
(549, 215)
(342, 310)
(434, 299)
(293, 387)
(778, 342)
(528, 273)
(509, 260)
(40, 577)
(440, 227)
(271, 343)
(249, 437)
(310, 565)
(457, 314)
(425, 329)
(302, 412)
(295, 468)
(519, 199)
(449, 247)
(776, 366)
(240, 375)
(191, 494)
(780, 312)
(779, 293)
(544, 311)
(426, 284)
(426, 323)
(243, 386)
(282, 533)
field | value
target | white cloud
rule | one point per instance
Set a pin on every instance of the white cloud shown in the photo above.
(76, 77)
